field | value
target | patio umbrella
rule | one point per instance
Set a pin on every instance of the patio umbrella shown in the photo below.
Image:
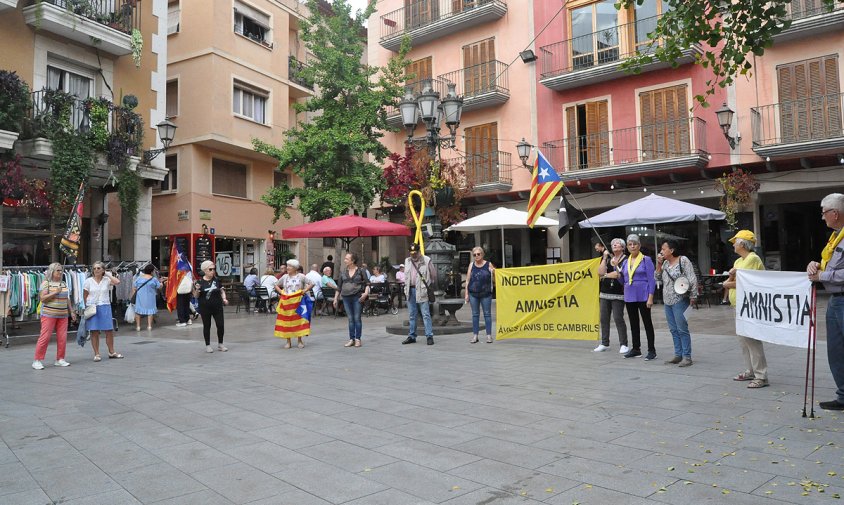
(347, 227)
(501, 218)
(651, 210)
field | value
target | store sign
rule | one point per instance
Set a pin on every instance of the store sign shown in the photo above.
(205, 214)
(202, 248)
(225, 264)
(184, 215)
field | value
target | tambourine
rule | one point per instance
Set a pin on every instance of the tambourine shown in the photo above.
(681, 285)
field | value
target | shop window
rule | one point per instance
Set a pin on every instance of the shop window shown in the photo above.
(252, 24)
(172, 98)
(249, 102)
(587, 127)
(228, 178)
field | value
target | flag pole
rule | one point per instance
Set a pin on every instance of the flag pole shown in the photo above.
(580, 208)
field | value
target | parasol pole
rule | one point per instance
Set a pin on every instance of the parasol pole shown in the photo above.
(503, 253)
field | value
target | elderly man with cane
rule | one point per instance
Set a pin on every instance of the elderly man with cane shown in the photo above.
(830, 272)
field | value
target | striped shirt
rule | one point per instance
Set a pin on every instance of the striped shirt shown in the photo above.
(56, 307)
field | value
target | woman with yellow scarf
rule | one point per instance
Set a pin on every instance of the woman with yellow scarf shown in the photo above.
(637, 275)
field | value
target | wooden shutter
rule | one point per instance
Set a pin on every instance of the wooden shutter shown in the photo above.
(482, 153)
(479, 67)
(571, 140)
(417, 71)
(665, 124)
(809, 99)
(597, 134)
(420, 12)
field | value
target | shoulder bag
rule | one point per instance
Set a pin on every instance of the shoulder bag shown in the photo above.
(185, 286)
(432, 298)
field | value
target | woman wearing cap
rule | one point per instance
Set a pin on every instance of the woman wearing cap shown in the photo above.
(679, 290)
(756, 366)
(290, 283)
(212, 296)
(637, 275)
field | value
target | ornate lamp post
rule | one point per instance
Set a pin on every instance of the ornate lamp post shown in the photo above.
(166, 132)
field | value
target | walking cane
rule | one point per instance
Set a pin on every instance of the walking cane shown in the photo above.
(809, 353)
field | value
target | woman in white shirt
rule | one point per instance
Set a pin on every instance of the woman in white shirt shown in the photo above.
(97, 292)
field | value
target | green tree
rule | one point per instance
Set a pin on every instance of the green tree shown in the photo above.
(331, 153)
(731, 32)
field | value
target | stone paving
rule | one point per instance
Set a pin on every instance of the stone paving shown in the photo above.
(513, 422)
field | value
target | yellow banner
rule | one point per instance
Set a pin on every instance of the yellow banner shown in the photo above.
(557, 301)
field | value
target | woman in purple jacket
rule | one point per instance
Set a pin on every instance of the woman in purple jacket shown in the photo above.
(637, 274)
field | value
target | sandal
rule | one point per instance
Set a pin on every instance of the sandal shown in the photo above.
(97, 357)
(137, 328)
(744, 376)
(300, 345)
(115, 355)
(757, 383)
(287, 345)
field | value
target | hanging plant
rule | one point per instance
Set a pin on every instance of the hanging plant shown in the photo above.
(129, 192)
(26, 193)
(98, 110)
(14, 101)
(736, 189)
(72, 162)
(137, 46)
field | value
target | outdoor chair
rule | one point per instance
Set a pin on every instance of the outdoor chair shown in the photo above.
(243, 298)
(263, 294)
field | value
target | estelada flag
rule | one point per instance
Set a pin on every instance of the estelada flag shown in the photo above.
(179, 267)
(294, 315)
(69, 244)
(543, 188)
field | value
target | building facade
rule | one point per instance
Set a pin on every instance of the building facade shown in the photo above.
(231, 77)
(98, 50)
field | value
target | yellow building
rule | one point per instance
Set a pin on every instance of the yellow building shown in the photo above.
(86, 49)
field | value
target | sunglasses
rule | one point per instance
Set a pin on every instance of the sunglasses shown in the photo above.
(210, 269)
(98, 268)
(477, 254)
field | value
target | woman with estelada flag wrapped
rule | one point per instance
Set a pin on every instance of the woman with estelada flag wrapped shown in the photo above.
(294, 306)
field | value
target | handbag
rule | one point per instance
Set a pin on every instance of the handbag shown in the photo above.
(130, 314)
(432, 298)
(185, 286)
(90, 311)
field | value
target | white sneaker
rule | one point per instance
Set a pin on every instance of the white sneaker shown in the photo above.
(208, 348)
(601, 348)
(624, 350)
(37, 365)
(190, 320)
(222, 348)
(179, 325)
(61, 362)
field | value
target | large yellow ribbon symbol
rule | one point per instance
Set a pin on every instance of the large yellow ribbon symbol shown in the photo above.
(417, 218)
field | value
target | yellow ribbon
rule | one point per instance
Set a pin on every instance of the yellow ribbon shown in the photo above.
(827, 252)
(632, 265)
(417, 218)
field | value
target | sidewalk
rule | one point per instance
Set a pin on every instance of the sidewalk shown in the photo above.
(513, 422)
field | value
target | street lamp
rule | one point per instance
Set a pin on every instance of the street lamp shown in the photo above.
(166, 133)
(523, 148)
(725, 120)
(428, 107)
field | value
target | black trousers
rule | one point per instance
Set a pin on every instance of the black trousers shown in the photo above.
(634, 310)
(183, 307)
(208, 310)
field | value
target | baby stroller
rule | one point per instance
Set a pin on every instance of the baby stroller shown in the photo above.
(379, 298)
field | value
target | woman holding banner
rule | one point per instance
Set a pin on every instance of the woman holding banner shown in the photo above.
(679, 290)
(637, 275)
(612, 296)
(756, 366)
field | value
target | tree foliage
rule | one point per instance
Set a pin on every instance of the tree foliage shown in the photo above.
(337, 153)
(731, 32)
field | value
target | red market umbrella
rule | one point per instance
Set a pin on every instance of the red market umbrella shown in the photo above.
(347, 227)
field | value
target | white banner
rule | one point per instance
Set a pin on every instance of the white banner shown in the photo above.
(773, 306)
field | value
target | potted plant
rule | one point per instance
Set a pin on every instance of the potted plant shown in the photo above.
(736, 189)
(14, 105)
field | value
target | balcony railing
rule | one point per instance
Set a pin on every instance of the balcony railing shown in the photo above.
(817, 118)
(641, 144)
(481, 79)
(122, 15)
(295, 68)
(598, 48)
(801, 9)
(488, 171)
(393, 111)
(425, 19)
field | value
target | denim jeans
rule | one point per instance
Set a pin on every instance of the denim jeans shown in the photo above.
(425, 308)
(477, 303)
(353, 311)
(835, 342)
(679, 328)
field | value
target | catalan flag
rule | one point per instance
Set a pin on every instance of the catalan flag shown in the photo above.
(294, 315)
(544, 187)
(179, 267)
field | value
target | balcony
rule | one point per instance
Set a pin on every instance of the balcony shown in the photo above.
(637, 151)
(8, 4)
(810, 18)
(105, 24)
(597, 57)
(798, 128)
(483, 85)
(393, 112)
(426, 20)
(304, 86)
(487, 172)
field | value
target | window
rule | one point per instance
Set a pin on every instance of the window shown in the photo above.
(646, 16)
(172, 109)
(171, 180)
(174, 13)
(228, 178)
(809, 100)
(479, 67)
(594, 32)
(587, 126)
(280, 178)
(78, 85)
(417, 72)
(420, 12)
(482, 153)
(249, 102)
(665, 122)
(252, 24)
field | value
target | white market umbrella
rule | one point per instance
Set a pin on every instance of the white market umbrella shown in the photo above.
(501, 218)
(652, 210)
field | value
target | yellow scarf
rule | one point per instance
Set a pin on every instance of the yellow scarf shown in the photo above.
(827, 252)
(632, 265)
